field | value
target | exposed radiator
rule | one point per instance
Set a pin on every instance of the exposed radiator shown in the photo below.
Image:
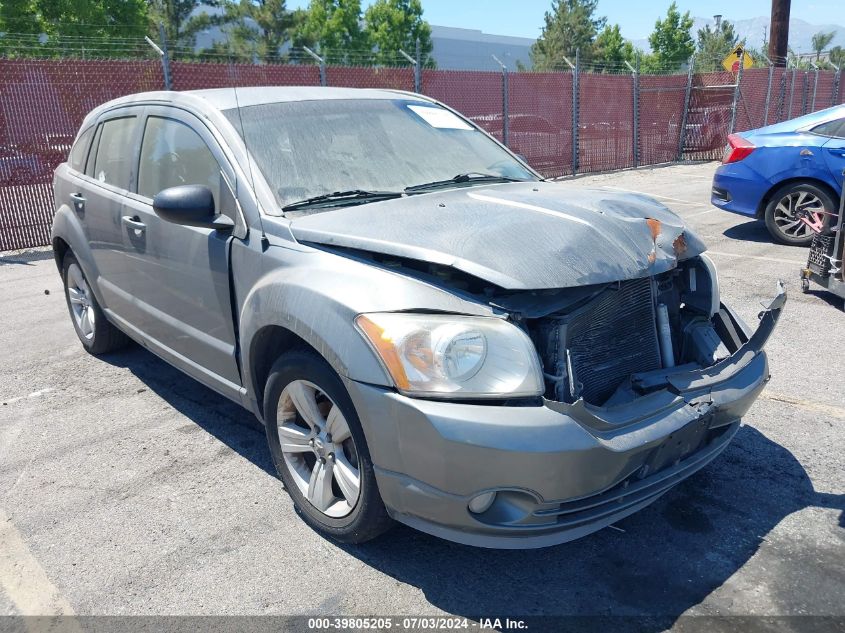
(596, 347)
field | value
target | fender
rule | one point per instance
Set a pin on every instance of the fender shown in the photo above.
(317, 297)
(812, 172)
(68, 227)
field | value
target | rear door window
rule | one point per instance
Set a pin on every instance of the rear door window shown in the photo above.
(113, 165)
(173, 154)
(79, 151)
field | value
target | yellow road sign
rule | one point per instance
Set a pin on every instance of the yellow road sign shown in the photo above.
(731, 62)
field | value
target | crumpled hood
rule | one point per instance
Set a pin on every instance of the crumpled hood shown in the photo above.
(517, 236)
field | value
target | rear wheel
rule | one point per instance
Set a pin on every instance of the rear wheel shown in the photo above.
(319, 449)
(789, 203)
(96, 334)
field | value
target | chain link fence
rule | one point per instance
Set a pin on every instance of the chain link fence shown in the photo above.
(540, 120)
(42, 103)
(661, 117)
(569, 121)
(605, 121)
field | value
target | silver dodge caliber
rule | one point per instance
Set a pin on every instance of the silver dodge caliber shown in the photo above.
(429, 332)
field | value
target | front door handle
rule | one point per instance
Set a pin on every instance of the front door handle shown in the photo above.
(77, 197)
(837, 151)
(134, 223)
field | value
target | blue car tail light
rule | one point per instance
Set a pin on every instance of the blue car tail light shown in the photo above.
(737, 149)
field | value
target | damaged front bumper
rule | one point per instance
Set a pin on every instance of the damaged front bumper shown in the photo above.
(559, 471)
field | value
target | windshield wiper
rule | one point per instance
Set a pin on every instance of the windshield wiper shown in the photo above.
(460, 179)
(339, 198)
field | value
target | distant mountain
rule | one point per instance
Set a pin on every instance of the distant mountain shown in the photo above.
(752, 31)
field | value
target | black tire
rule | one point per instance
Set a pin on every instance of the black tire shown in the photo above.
(368, 519)
(105, 337)
(796, 187)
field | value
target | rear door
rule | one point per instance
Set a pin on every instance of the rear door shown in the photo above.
(834, 149)
(179, 279)
(97, 194)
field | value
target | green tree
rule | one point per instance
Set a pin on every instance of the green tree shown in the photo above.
(758, 56)
(180, 22)
(333, 27)
(837, 56)
(255, 30)
(671, 43)
(392, 25)
(821, 41)
(72, 27)
(570, 25)
(21, 17)
(611, 50)
(714, 45)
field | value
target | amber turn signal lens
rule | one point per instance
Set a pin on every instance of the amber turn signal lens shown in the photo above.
(383, 344)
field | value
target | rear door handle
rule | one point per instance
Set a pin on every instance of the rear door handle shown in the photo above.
(78, 201)
(133, 222)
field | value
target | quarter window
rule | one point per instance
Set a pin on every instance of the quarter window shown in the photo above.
(113, 165)
(92, 155)
(79, 152)
(831, 128)
(173, 154)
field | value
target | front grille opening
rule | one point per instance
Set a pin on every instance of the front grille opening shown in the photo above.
(589, 352)
(606, 346)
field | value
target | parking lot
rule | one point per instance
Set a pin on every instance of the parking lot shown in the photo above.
(128, 488)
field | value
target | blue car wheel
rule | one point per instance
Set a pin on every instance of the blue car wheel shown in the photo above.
(789, 204)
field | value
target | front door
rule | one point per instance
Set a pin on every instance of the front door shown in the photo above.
(180, 274)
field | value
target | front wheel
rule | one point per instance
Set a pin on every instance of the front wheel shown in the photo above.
(96, 334)
(319, 449)
(789, 204)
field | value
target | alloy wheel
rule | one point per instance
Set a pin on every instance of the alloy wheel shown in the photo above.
(791, 208)
(81, 301)
(318, 449)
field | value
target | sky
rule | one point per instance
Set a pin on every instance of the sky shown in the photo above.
(524, 18)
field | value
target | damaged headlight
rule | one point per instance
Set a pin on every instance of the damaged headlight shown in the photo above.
(702, 285)
(454, 356)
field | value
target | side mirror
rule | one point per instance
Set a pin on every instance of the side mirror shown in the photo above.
(190, 205)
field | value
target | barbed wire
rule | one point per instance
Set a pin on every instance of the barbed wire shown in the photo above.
(91, 46)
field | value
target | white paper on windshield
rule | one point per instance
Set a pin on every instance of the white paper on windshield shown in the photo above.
(440, 118)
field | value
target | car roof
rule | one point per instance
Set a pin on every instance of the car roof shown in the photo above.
(224, 98)
(801, 123)
(227, 98)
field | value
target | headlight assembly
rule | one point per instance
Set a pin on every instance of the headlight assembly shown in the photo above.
(448, 356)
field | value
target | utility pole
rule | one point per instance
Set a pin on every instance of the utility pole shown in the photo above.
(779, 32)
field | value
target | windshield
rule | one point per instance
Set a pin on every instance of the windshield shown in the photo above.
(312, 148)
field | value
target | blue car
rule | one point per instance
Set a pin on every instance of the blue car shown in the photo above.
(782, 172)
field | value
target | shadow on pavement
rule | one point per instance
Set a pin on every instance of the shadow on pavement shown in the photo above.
(25, 258)
(825, 295)
(754, 231)
(662, 560)
(230, 423)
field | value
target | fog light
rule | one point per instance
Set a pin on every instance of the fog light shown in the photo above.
(481, 503)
